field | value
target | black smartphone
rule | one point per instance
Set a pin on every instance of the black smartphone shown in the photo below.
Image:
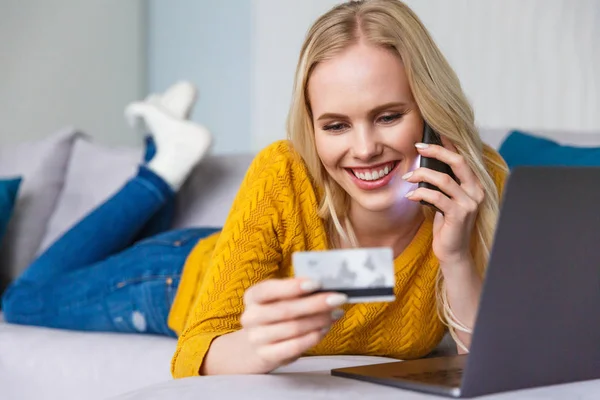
(432, 137)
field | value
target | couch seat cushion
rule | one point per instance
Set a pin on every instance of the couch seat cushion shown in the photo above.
(39, 363)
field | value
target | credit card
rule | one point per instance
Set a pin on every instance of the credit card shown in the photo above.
(365, 275)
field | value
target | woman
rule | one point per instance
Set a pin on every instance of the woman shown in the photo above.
(368, 77)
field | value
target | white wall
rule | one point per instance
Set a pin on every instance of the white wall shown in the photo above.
(531, 64)
(70, 62)
(527, 64)
(279, 28)
(207, 42)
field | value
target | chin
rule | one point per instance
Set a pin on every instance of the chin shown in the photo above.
(392, 197)
(380, 202)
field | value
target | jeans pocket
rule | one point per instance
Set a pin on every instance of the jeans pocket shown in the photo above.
(142, 305)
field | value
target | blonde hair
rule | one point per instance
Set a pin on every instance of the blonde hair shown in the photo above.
(437, 92)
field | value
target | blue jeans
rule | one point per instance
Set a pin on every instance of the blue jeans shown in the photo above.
(117, 270)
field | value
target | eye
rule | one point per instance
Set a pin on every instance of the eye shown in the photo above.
(336, 127)
(388, 119)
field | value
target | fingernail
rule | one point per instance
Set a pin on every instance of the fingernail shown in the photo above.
(310, 286)
(421, 145)
(337, 314)
(407, 175)
(325, 330)
(409, 193)
(336, 299)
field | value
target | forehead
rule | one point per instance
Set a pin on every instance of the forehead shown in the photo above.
(361, 76)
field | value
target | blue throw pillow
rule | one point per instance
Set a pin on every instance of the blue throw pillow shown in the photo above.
(523, 149)
(8, 194)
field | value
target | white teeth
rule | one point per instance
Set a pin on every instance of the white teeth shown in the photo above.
(374, 175)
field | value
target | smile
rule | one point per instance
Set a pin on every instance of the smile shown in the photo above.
(373, 173)
(375, 177)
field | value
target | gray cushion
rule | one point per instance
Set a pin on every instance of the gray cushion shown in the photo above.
(96, 172)
(206, 197)
(42, 164)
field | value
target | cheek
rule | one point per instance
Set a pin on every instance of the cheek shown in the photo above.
(320, 146)
(407, 135)
(326, 150)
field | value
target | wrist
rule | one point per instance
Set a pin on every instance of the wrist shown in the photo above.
(462, 281)
(235, 344)
(461, 266)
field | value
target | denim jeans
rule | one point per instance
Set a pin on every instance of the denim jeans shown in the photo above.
(116, 270)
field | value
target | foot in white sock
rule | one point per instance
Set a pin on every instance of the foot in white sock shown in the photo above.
(180, 144)
(178, 101)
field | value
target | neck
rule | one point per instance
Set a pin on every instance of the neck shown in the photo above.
(393, 228)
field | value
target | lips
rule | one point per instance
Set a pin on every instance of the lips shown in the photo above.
(374, 173)
(374, 177)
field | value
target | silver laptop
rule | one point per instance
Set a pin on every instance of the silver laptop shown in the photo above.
(539, 314)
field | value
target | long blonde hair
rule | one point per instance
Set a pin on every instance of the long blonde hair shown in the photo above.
(437, 92)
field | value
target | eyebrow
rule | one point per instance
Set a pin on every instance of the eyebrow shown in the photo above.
(373, 111)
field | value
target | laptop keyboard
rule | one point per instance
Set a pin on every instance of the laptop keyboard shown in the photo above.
(450, 377)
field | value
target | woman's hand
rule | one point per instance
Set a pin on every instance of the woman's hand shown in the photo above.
(459, 202)
(282, 319)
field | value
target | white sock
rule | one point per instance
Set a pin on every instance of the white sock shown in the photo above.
(179, 98)
(177, 101)
(180, 144)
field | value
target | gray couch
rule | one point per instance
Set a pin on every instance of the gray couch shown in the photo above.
(67, 175)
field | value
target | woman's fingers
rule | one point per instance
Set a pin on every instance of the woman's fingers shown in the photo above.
(435, 197)
(273, 290)
(287, 330)
(454, 160)
(440, 179)
(287, 310)
(281, 353)
(445, 183)
(282, 319)
(468, 181)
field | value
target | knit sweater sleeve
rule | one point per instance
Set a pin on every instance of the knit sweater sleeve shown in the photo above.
(248, 251)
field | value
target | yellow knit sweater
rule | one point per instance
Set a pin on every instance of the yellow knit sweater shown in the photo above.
(274, 215)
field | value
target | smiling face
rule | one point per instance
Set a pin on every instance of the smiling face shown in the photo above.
(366, 124)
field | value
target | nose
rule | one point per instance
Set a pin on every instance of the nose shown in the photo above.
(365, 144)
